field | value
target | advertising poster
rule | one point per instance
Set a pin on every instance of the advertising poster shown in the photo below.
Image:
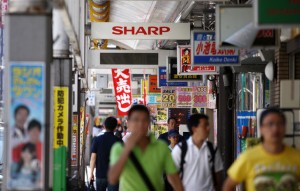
(184, 97)
(160, 128)
(205, 52)
(162, 114)
(153, 86)
(200, 97)
(181, 114)
(154, 99)
(212, 101)
(60, 136)
(246, 129)
(173, 72)
(74, 149)
(168, 95)
(153, 113)
(122, 87)
(184, 62)
(162, 79)
(26, 127)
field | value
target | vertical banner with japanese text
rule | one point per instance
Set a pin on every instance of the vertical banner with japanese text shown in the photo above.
(26, 127)
(122, 87)
(200, 97)
(74, 149)
(168, 95)
(61, 96)
(184, 97)
(60, 136)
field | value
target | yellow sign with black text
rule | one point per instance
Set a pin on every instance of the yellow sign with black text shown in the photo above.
(61, 104)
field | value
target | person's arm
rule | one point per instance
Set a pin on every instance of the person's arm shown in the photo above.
(118, 165)
(229, 184)
(92, 165)
(219, 181)
(175, 182)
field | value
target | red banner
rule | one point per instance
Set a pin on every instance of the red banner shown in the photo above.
(122, 87)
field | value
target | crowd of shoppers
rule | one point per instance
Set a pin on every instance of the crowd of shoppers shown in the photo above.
(140, 162)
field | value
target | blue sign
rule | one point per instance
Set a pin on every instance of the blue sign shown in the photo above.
(162, 71)
(206, 53)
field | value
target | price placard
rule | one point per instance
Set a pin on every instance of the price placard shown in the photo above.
(200, 97)
(184, 97)
(168, 95)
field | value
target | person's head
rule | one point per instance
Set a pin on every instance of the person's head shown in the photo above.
(272, 126)
(34, 131)
(198, 126)
(138, 118)
(28, 152)
(173, 136)
(110, 124)
(186, 51)
(120, 128)
(21, 114)
(172, 123)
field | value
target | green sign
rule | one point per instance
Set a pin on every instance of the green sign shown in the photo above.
(272, 13)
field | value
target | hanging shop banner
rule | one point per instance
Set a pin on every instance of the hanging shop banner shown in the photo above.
(234, 30)
(173, 76)
(162, 114)
(61, 96)
(140, 31)
(168, 95)
(200, 97)
(74, 149)
(26, 133)
(205, 52)
(153, 88)
(184, 63)
(184, 97)
(276, 15)
(122, 87)
(162, 79)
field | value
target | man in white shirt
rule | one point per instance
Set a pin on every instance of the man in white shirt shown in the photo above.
(201, 167)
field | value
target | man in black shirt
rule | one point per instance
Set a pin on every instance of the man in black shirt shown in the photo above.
(172, 124)
(100, 155)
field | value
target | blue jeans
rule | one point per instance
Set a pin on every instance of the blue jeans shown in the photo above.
(102, 184)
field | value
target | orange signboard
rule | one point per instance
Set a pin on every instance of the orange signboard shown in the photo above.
(153, 88)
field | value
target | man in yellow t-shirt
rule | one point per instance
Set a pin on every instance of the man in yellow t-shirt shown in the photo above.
(270, 166)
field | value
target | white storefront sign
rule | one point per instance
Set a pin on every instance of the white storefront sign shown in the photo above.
(139, 31)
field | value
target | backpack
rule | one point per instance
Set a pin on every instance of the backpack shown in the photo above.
(212, 151)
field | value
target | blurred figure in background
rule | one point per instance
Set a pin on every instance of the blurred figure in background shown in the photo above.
(172, 124)
(271, 165)
(101, 148)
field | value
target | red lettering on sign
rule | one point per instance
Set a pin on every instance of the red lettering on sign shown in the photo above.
(117, 30)
(153, 30)
(128, 30)
(141, 30)
(164, 30)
